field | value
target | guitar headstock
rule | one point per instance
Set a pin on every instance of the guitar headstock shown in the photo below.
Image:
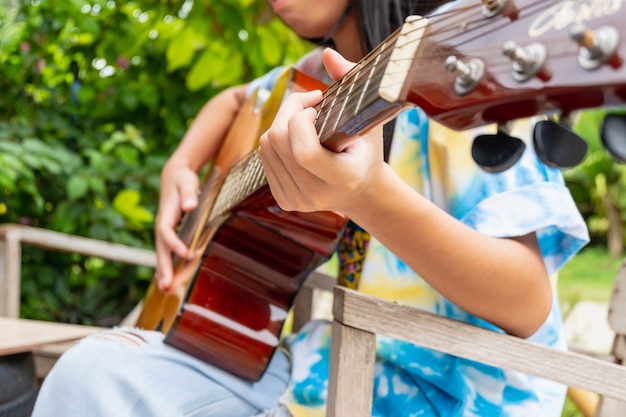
(492, 61)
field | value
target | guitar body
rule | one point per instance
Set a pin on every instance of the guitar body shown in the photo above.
(246, 282)
(252, 257)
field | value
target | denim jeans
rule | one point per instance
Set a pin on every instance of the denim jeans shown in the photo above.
(131, 372)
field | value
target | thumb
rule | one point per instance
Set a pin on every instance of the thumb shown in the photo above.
(335, 64)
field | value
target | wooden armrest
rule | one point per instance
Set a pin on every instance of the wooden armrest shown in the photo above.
(303, 306)
(21, 335)
(63, 242)
(320, 281)
(376, 316)
(12, 236)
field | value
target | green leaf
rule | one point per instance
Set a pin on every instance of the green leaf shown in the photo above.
(271, 47)
(181, 49)
(203, 70)
(130, 100)
(126, 202)
(230, 74)
(77, 187)
(98, 185)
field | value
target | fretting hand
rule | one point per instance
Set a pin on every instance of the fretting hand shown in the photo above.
(305, 176)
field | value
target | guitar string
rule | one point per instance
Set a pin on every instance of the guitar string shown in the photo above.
(251, 169)
(497, 65)
(339, 95)
(246, 176)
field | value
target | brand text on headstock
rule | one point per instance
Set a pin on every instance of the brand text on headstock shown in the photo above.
(569, 12)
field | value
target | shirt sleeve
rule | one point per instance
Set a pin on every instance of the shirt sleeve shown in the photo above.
(528, 198)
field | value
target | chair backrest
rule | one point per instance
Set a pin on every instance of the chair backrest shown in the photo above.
(617, 313)
(609, 407)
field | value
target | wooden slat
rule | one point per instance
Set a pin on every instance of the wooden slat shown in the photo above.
(303, 308)
(460, 339)
(351, 379)
(48, 239)
(10, 270)
(319, 280)
(21, 335)
(617, 305)
(13, 236)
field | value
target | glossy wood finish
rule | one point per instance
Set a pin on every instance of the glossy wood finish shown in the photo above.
(562, 85)
(252, 257)
(251, 271)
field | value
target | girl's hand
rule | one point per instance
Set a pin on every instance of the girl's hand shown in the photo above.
(305, 176)
(178, 194)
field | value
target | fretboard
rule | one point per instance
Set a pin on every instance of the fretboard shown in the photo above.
(349, 107)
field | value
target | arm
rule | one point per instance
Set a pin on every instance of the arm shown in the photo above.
(455, 259)
(179, 178)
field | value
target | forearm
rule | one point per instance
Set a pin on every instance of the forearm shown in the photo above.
(513, 293)
(208, 129)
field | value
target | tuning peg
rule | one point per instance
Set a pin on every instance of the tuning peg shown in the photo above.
(613, 135)
(492, 8)
(468, 75)
(527, 61)
(497, 153)
(557, 145)
(506, 8)
(597, 46)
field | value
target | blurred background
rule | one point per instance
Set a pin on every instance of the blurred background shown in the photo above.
(95, 95)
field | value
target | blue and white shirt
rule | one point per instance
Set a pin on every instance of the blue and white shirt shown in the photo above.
(413, 381)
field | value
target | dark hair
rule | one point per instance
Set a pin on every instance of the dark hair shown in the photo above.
(377, 19)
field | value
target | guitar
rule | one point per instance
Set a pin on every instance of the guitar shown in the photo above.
(475, 63)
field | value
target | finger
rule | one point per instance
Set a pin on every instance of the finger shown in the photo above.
(306, 148)
(275, 144)
(295, 103)
(296, 181)
(188, 189)
(336, 65)
(167, 221)
(278, 178)
(164, 271)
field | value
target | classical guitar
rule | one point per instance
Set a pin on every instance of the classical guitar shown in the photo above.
(474, 63)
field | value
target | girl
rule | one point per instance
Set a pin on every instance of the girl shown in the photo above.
(445, 237)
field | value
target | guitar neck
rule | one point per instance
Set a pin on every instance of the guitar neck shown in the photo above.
(349, 107)
(242, 180)
(458, 66)
(369, 94)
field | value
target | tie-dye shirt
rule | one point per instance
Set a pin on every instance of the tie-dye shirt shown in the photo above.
(414, 381)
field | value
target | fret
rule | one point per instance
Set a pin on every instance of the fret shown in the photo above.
(347, 94)
(366, 87)
(348, 107)
(401, 59)
(241, 181)
(327, 110)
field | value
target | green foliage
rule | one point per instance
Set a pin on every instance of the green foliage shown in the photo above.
(589, 276)
(95, 96)
(598, 179)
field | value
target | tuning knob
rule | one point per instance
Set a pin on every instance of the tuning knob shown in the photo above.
(613, 135)
(557, 145)
(468, 75)
(492, 8)
(527, 61)
(596, 47)
(497, 153)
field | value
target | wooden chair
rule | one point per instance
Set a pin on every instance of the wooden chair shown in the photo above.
(52, 339)
(358, 318)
